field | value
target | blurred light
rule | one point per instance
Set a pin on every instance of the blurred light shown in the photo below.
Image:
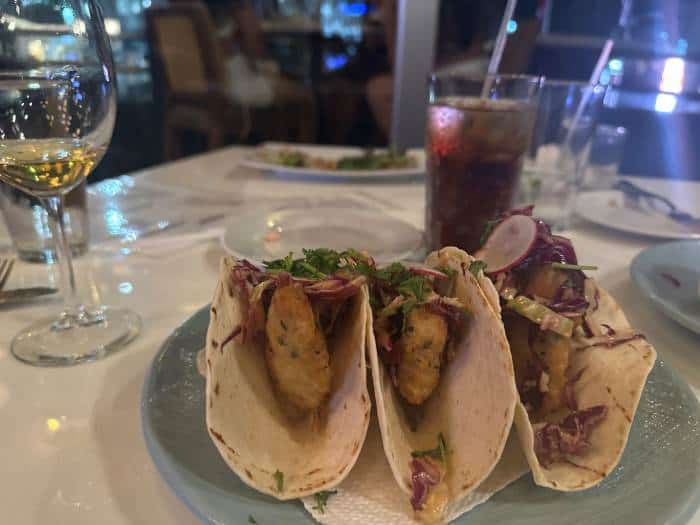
(115, 222)
(665, 103)
(146, 4)
(353, 8)
(68, 15)
(126, 288)
(682, 46)
(53, 424)
(79, 28)
(11, 26)
(333, 62)
(673, 75)
(35, 48)
(512, 26)
(113, 26)
(615, 65)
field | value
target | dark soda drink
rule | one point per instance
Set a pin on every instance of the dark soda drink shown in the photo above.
(475, 150)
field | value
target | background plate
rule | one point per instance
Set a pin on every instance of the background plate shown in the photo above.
(657, 481)
(669, 275)
(333, 152)
(607, 209)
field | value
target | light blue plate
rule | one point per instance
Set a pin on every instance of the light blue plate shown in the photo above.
(669, 275)
(657, 481)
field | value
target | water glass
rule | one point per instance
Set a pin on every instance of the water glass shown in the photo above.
(29, 228)
(607, 148)
(565, 122)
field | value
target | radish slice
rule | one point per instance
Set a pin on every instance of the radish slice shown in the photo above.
(509, 243)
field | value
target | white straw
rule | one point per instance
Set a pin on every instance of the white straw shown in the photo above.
(498, 48)
(586, 96)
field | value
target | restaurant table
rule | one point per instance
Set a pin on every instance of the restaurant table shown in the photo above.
(71, 445)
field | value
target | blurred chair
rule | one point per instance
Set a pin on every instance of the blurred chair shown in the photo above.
(189, 77)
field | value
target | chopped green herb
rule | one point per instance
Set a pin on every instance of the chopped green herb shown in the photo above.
(405, 310)
(427, 344)
(281, 265)
(395, 274)
(476, 266)
(279, 479)
(320, 263)
(439, 452)
(283, 325)
(413, 286)
(251, 519)
(281, 341)
(322, 500)
(452, 275)
(564, 266)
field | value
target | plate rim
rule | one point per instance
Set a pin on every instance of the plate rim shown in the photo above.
(641, 282)
(249, 161)
(621, 228)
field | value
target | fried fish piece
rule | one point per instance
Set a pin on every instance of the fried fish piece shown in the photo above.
(545, 281)
(296, 352)
(422, 345)
(553, 350)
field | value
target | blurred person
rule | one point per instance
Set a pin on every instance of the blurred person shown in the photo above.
(466, 29)
(255, 79)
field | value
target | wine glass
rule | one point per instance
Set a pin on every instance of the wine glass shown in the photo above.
(57, 110)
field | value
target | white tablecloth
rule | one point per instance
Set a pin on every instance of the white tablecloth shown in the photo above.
(71, 447)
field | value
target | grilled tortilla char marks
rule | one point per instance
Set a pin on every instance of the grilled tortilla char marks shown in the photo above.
(297, 356)
(422, 344)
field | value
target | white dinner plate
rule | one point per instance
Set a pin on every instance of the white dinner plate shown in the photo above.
(270, 232)
(331, 153)
(609, 209)
(669, 276)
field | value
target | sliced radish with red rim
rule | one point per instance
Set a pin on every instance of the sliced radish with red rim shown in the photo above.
(509, 243)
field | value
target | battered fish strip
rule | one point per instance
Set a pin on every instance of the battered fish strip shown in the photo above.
(296, 352)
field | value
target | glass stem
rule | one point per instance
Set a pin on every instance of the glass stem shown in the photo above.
(54, 206)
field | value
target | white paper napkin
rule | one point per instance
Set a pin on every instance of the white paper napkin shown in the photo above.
(370, 493)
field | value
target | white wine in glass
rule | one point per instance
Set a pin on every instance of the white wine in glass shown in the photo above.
(57, 112)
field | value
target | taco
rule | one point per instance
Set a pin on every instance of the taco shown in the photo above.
(580, 368)
(443, 381)
(287, 404)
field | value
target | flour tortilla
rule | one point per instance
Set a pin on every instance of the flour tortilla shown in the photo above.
(613, 377)
(244, 416)
(473, 406)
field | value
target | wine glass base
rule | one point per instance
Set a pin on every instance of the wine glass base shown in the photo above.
(74, 339)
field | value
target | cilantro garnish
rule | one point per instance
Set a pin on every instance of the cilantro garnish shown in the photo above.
(319, 263)
(279, 479)
(394, 274)
(281, 265)
(490, 225)
(405, 309)
(322, 500)
(251, 519)
(439, 452)
(324, 260)
(476, 266)
(413, 286)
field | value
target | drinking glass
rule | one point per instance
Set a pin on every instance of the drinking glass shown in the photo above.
(607, 149)
(57, 111)
(475, 148)
(559, 152)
